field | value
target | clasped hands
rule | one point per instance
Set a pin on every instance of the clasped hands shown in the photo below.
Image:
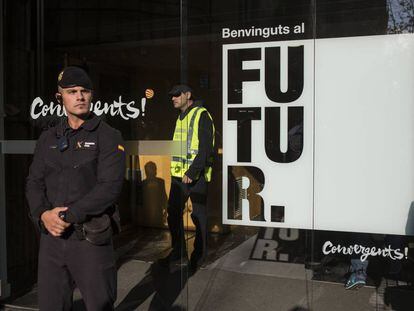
(53, 223)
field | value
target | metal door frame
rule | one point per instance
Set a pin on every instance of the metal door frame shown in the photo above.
(4, 285)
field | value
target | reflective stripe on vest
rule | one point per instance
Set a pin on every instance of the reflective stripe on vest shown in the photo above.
(186, 132)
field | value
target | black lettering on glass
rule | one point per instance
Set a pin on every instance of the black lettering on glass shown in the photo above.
(236, 74)
(295, 74)
(236, 192)
(277, 213)
(244, 117)
(272, 134)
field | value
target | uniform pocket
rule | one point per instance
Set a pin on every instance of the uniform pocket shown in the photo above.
(52, 164)
(52, 169)
(90, 162)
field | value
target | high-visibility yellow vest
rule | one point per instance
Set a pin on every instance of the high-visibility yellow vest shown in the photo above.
(186, 133)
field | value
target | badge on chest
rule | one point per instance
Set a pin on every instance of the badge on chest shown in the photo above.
(86, 145)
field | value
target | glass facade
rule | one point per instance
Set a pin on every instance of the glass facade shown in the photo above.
(311, 201)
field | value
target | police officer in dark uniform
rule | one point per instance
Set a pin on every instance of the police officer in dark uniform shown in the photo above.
(73, 183)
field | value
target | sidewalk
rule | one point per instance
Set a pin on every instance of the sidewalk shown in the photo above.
(231, 281)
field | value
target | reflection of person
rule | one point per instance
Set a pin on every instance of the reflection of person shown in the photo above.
(358, 274)
(191, 172)
(358, 267)
(154, 196)
(76, 174)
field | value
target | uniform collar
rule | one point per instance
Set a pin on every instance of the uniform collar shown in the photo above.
(89, 125)
(195, 104)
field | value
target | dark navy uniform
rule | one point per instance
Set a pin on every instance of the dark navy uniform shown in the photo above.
(87, 178)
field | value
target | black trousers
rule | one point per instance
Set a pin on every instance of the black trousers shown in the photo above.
(66, 263)
(179, 195)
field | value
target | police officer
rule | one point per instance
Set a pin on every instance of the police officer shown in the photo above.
(76, 175)
(191, 172)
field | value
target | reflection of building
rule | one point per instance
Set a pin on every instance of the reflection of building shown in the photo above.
(400, 16)
(238, 198)
(244, 183)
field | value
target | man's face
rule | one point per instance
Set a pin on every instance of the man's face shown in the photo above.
(180, 101)
(76, 100)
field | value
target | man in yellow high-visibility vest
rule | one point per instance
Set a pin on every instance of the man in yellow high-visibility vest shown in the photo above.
(191, 170)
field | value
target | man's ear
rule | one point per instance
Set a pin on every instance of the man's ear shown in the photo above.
(188, 95)
(59, 98)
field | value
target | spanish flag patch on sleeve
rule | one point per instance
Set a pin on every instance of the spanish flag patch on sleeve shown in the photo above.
(121, 148)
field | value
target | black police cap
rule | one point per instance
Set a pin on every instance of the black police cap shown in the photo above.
(74, 76)
(180, 88)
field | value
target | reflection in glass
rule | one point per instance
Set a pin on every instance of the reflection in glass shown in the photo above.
(400, 16)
